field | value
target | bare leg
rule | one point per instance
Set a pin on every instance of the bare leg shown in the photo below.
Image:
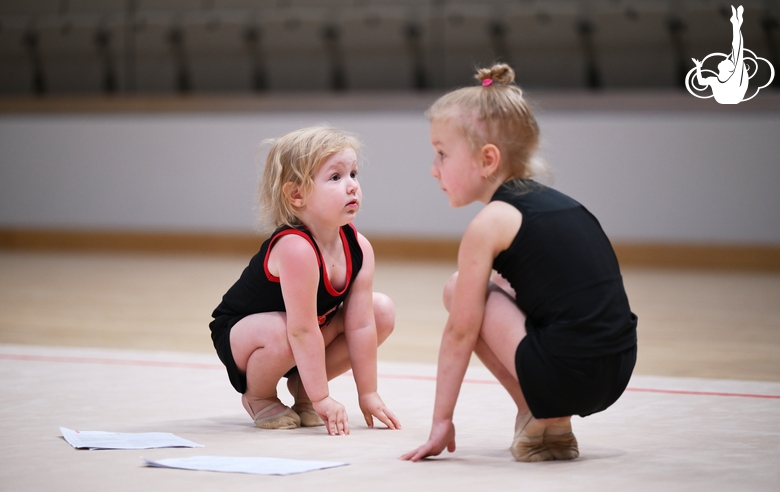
(507, 322)
(503, 327)
(337, 355)
(261, 350)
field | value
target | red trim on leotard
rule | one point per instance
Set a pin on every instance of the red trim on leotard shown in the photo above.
(285, 232)
(328, 286)
(332, 291)
(323, 318)
(355, 232)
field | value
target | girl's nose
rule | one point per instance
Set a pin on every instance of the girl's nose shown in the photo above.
(434, 170)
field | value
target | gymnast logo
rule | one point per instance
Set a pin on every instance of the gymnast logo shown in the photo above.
(735, 70)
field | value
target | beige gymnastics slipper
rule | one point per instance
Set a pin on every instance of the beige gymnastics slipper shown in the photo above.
(287, 419)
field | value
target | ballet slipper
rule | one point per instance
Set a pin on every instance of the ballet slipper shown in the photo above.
(561, 442)
(303, 406)
(562, 446)
(530, 449)
(287, 419)
(309, 418)
(521, 420)
(527, 448)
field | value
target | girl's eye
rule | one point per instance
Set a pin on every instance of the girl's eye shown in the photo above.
(335, 177)
(353, 174)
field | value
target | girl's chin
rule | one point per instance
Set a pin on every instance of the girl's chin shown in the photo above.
(454, 203)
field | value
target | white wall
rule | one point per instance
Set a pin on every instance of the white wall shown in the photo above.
(654, 176)
(709, 177)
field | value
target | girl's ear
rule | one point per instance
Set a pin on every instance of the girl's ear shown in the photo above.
(490, 158)
(293, 193)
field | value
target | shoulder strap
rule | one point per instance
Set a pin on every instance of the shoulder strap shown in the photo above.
(283, 232)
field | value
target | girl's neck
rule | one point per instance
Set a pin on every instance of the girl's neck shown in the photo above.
(494, 182)
(326, 236)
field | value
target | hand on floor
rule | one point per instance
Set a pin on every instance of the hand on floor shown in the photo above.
(372, 406)
(442, 436)
(334, 415)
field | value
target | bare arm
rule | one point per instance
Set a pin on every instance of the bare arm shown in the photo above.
(361, 336)
(488, 234)
(296, 263)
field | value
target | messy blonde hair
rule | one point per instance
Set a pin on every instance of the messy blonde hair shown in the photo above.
(495, 112)
(295, 158)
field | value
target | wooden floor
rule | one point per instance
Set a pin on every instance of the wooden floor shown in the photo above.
(711, 324)
(664, 433)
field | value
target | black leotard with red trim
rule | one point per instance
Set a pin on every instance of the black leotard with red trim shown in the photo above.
(257, 291)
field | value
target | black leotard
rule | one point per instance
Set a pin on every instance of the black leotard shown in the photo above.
(257, 291)
(580, 348)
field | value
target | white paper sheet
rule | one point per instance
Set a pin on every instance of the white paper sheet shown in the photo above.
(254, 465)
(116, 440)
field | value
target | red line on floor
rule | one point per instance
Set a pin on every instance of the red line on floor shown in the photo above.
(195, 365)
(701, 393)
(639, 390)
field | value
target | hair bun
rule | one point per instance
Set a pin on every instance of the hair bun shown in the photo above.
(500, 73)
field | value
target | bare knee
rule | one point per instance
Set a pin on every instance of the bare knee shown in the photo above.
(280, 348)
(384, 316)
(266, 338)
(274, 348)
(449, 291)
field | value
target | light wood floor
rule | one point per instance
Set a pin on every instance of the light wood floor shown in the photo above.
(709, 324)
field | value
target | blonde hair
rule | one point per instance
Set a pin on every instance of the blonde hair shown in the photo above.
(495, 112)
(295, 158)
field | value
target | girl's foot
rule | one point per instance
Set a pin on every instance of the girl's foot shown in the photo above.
(272, 414)
(303, 406)
(560, 441)
(529, 445)
(309, 417)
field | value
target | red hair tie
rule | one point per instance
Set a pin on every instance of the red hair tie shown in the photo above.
(486, 82)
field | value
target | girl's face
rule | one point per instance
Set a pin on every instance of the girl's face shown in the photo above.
(336, 196)
(455, 165)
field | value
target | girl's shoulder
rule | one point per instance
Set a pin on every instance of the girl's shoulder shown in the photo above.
(292, 239)
(365, 245)
(494, 227)
(297, 242)
(292, 248)
(362, 240)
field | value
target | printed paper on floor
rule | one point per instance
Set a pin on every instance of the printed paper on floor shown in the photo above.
(117, 440)
(253, 465)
